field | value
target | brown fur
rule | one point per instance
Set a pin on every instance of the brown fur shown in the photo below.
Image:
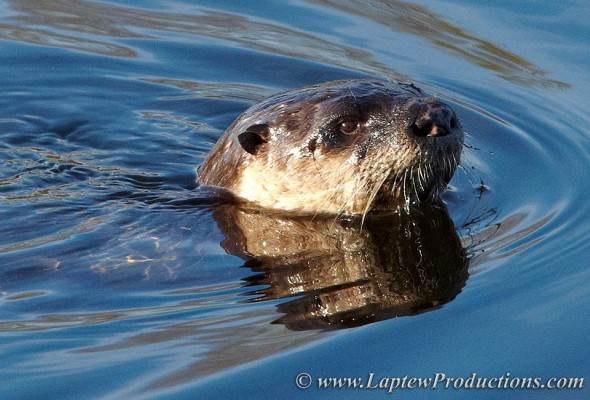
(295, 158)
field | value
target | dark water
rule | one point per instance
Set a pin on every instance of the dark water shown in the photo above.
(114, 276)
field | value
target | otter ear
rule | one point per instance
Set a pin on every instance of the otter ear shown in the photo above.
(254, 137)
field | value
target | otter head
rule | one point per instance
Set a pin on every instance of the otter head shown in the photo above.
(339, 147)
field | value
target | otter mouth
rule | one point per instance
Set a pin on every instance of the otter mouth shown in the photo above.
(407, 188)
(434, 164)
(405, 173)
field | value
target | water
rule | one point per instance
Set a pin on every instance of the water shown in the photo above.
(114, 280)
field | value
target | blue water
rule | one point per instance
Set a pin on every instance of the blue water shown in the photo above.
(113, 277)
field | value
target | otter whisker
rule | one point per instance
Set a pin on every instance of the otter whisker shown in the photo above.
(413, 176)
(407, 197)
(361, 185)
(405, 186)
(454, 166)
(421, 177)
(396, 186)
(376, 190)
(342, 209)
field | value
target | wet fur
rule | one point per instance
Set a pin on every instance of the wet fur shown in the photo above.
(284, 153)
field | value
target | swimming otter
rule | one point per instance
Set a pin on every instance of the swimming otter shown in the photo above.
(344, 147)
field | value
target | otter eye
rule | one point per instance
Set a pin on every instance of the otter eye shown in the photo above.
(348, 127)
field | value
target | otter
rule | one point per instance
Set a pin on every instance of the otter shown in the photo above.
(342, 147)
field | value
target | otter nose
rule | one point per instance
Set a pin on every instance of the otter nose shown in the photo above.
(432, 119)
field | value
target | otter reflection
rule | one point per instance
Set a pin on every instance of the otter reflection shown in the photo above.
(340, 275)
